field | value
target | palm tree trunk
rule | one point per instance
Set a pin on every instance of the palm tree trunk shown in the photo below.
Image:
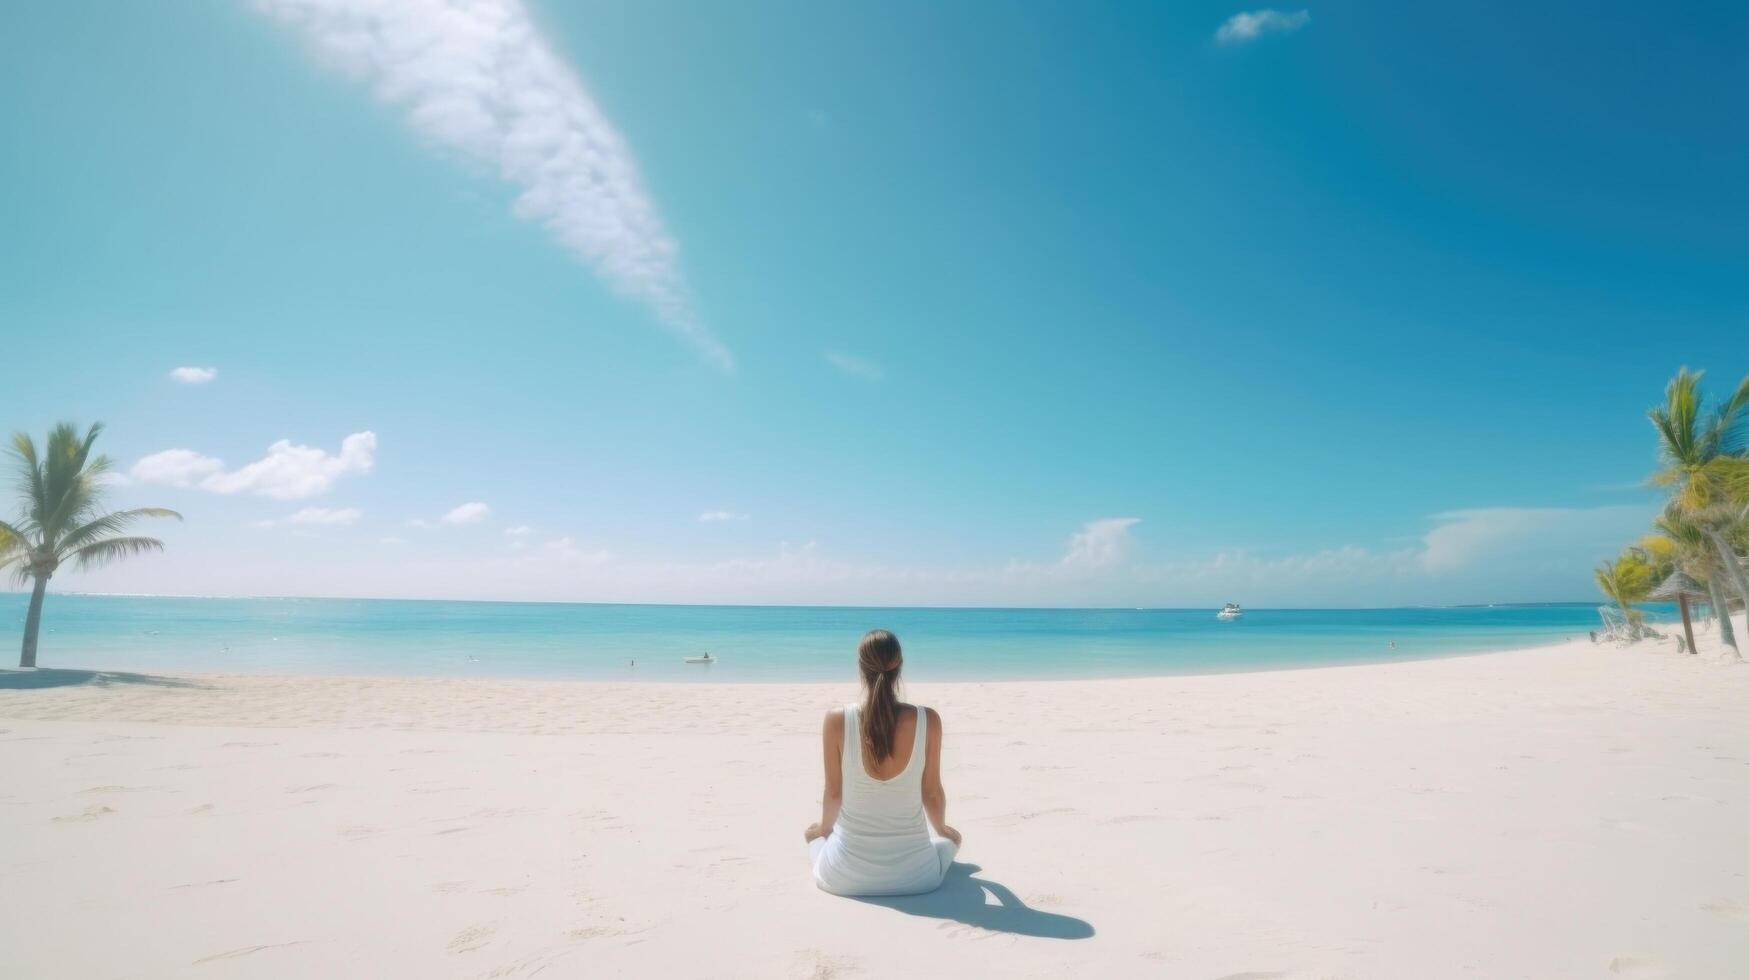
(33, 621)
(1722, 610)
(1733, 568)
(1687, 623)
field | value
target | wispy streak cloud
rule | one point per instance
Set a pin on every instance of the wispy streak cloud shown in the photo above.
(1250, 26)
(478, 78)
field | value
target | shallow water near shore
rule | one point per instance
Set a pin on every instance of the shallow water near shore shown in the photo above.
(749, 643)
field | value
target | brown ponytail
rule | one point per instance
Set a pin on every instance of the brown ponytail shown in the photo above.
(878, 657)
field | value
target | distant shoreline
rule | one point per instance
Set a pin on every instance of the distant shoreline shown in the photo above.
(1590, 603)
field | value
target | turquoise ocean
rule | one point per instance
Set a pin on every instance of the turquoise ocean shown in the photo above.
(750, 643)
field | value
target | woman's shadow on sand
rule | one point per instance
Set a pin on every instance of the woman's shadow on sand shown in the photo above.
(962, 898)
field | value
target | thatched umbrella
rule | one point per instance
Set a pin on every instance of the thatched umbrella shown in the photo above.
(1681, 587)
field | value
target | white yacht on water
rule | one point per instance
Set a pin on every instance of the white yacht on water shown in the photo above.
(1230, 611)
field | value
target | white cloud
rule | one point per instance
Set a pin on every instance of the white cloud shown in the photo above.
(1099, 544)
(194, 375)
(287, 472)
(1478, 555)
(856, 367)
(471, 512)
(391, 540)
(326, 516)
(714, 516)
(479, 79)
(1526, 535)
(418, 522)
(1241, 28)
(518, 531)
(176, 468)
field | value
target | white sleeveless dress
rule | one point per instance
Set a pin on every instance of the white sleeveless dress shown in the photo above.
(881, 843)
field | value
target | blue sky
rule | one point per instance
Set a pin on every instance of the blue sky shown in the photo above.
(1344, 304)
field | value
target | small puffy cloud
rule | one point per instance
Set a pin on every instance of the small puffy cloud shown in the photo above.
(1099, 544)
(471, 512)
(176, 468)
(194, 375)
(519, 531)
(1245, 27)
(860, 368)
(326, 516)
(392, 540)
(714, 516)
(287, 472)
(418, 522)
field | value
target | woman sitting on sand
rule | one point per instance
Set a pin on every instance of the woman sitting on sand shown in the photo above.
(872, 838)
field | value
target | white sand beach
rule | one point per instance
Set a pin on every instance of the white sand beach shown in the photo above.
(1569, 811)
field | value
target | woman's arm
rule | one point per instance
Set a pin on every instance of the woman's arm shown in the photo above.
(934, 796)
(832, 741)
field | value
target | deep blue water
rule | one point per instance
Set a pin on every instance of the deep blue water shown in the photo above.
(753, 643)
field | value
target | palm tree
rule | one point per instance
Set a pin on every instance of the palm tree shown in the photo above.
(61, 489)
(1706, 470)
(1626, 580)
(1680, 546)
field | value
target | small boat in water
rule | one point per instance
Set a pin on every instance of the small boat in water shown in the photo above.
(1229, 612)
(706, 659)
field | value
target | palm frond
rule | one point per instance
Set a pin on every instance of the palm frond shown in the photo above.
(15, 535)
(30, 476)
(1731, 420)
(71, 492)
(1677, 418)
(99, 553)
(114, 523)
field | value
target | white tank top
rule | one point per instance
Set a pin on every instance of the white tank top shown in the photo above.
(880, 843)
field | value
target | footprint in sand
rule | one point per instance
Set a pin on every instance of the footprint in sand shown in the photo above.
(1637, 967)
(203, 808)
(592, 932)
(245, 951)
(91, 813)
(1728, 908)
(470, 939)
(813, 964)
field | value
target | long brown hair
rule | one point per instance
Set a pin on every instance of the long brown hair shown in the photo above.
(878, 657)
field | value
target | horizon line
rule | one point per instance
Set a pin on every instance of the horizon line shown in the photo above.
(803, 605)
